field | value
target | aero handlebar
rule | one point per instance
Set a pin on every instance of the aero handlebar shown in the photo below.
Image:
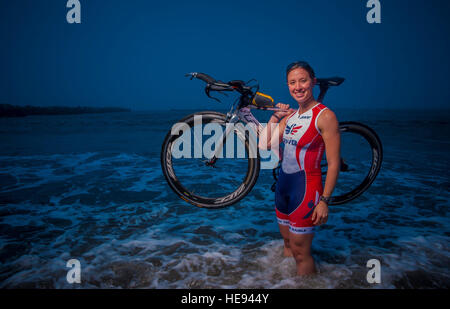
(244, 89)
(215, 85)
(202, 76)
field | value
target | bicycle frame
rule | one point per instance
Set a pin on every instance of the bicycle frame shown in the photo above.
(241, 114)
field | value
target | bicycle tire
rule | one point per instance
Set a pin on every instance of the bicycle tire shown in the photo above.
(198, 200)
(377, 157)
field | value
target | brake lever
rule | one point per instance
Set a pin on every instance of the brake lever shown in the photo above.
(207, 89)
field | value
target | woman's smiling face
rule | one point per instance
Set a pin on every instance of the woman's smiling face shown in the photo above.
(300, 85)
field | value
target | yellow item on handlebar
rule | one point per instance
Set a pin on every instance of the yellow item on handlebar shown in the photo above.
(262, 100)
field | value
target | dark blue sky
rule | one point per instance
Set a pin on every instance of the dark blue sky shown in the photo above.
(134, 53)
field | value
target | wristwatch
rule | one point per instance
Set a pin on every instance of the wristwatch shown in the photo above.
(325, 199)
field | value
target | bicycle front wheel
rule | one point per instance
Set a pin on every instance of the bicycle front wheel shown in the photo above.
(361, 157)
(208, 162)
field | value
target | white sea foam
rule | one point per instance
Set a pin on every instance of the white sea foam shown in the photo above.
(114, 212)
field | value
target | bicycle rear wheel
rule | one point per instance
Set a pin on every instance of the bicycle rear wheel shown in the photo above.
(361, 158)
(201, 179)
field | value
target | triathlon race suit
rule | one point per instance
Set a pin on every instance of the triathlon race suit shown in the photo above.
(299, 184)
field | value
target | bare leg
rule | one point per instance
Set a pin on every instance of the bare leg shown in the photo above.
(284, 230)
(300, 245)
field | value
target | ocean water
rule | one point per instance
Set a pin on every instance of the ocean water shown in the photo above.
(90, 187)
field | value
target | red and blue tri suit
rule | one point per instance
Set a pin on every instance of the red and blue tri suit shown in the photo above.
(299, 184)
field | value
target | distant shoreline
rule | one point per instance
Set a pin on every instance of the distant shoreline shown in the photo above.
(8, 110)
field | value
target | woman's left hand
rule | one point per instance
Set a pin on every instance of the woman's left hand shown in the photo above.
(320, 214)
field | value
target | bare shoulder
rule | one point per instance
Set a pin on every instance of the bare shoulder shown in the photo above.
(291, 111)
(328, 114)
(285, 118)
(327, 119)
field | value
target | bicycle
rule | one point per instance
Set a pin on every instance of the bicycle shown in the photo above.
(196, 185)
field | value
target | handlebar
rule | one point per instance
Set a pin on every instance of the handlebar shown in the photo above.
(246, 91)
(215, 85)
(202, 76)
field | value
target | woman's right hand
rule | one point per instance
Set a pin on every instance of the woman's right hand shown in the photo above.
(283, 112)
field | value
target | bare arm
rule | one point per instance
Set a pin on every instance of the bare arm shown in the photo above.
(272, 134)
(329, 128)
(268, 137)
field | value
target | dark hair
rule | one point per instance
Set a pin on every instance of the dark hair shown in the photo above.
(300, 64)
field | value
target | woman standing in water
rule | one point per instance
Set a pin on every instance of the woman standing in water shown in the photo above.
(301, 201)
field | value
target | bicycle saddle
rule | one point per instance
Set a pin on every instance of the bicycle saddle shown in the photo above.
(330, 81)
